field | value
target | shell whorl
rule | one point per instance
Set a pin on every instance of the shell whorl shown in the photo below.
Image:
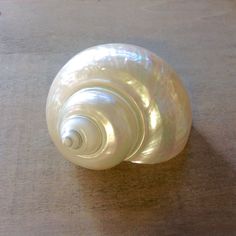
(81, 135)
(72, 139)
(98, 123)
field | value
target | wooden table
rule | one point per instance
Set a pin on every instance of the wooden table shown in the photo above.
(43, 194)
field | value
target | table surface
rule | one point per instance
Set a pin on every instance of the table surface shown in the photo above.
(43, 194)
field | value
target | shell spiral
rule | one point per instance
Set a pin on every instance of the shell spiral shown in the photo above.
(118, 102)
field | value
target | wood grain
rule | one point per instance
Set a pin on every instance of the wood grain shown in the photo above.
(43, 194)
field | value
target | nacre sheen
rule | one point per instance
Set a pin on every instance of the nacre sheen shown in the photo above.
(118, 102)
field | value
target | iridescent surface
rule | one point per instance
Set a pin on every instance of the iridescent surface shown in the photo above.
(136, 100)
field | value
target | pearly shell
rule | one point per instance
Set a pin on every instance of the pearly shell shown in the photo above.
(118, 102)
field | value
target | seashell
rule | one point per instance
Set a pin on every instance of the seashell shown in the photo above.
(118, 102)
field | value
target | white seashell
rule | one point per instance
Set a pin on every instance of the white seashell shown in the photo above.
(118, 102)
